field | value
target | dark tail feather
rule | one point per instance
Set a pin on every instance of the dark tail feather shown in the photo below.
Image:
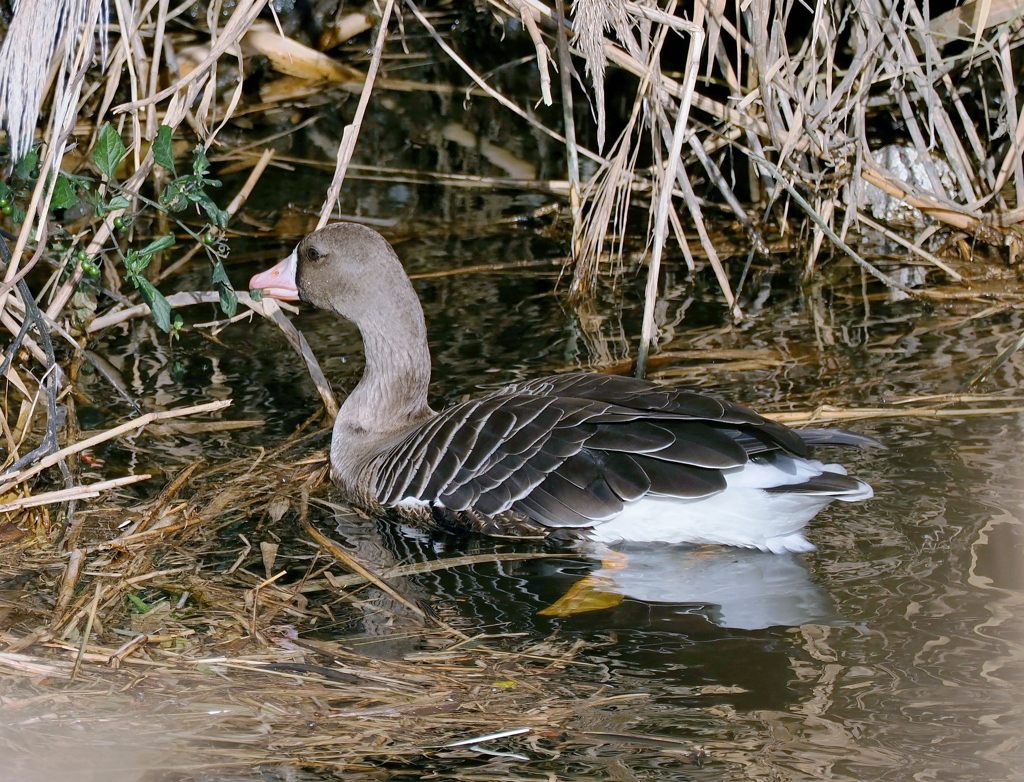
(838, 437)
(828, 483)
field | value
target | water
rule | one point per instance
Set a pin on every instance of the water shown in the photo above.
(893, 652)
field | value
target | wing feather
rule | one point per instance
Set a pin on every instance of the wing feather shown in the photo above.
(569, 450)
(680, 480)
(543, 507)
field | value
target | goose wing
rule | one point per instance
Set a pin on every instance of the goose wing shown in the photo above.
(568, 451)
(638, 394)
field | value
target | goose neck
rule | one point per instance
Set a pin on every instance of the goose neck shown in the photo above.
(392, 393)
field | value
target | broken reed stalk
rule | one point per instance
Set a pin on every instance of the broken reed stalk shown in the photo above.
(351, 133)
(863, 413)
(664, 201)
(254, 176)
(569, 121)
(87, 632)
(12, 480)
(83, 492)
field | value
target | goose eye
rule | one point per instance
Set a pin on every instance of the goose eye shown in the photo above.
(313, 255)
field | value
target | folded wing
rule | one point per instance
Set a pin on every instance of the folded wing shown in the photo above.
(570, 450)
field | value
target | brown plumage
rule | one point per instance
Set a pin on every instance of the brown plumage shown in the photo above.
(569, 451)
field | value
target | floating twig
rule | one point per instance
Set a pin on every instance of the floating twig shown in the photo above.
(117, 431)
(83, 492)
(834, 414)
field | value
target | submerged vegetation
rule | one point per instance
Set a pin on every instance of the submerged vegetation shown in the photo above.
(726, 136)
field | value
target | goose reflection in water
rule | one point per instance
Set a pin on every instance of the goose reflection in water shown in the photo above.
(737, 588)
(731, 588)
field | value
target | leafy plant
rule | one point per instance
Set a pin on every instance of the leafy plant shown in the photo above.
(228, 299)
(179, 194)
(28, 166)
(64, 195)
(18, 188)
(135, 263)
(163, 149)
(183, 191)
(137, 604)
(109, 152)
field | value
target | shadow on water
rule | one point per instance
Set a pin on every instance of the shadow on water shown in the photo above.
(893, 652)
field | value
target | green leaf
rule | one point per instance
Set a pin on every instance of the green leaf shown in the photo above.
(163, 148)
(220, 276)
(137, 603)
(99, 208)
(228, 300)
(217, 215)
(158, 245)
(256, 294)
(135, 263)
(4, 190)
(174, 198)
(64, 195)
(109, 152)
(200, 165)
(118, 202)
(25, 167)
(158, 305)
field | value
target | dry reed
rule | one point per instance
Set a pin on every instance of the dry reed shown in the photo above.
(776, 110)
(772, 117)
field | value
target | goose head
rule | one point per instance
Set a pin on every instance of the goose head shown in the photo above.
(351, 270)
(346, 268)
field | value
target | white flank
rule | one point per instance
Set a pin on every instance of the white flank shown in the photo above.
(413, 504)
(744, 514)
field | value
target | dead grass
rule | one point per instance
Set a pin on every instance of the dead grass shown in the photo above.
(136, 625)
(772, 117)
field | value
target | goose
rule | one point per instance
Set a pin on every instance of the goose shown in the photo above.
(604, 457)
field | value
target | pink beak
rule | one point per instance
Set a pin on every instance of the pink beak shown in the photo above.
(278, 282)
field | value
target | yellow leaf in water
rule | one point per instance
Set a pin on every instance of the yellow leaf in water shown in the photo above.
(585, 595)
